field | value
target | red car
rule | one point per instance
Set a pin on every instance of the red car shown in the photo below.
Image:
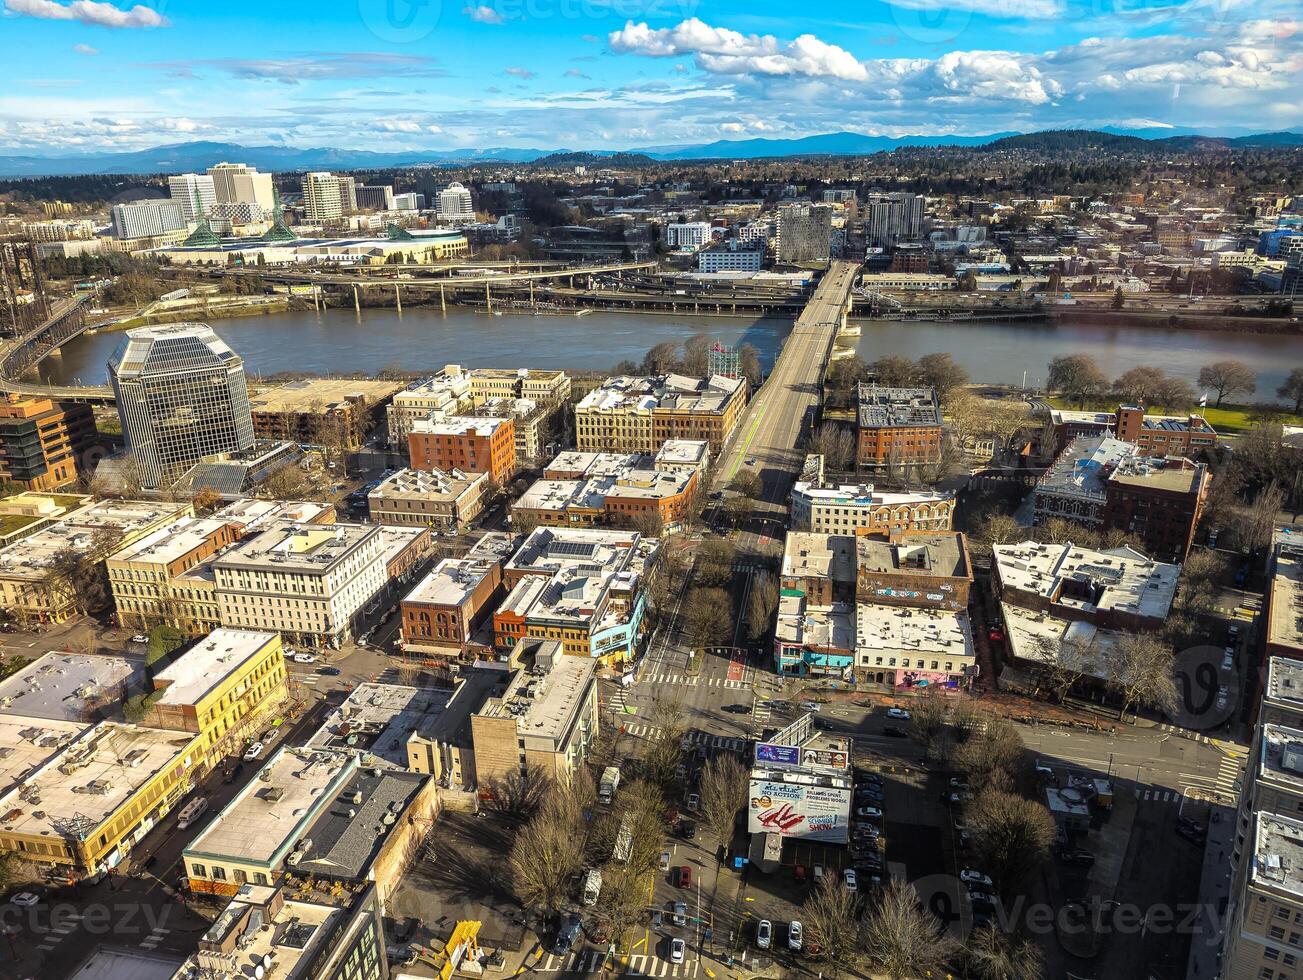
(683, 878)
(995, 634)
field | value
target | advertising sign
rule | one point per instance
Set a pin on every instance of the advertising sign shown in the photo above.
(818, 813)
(767, 753)
(824, 759)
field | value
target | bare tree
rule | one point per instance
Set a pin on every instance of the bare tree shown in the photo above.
(725, 783)
(747, 483)
(517, 795)
(993, 955)
(665, 751)
(1064, 663)
(548, 852)
(1227, 378)
(988, 749)
(1257, 523)
(894, 371)
(941, 372)
(928, 723)
(1077, 376)
(715, 561)
(762, 605)
(901, 938)
(836, 444)
(709, 619)
(1141, 671)
(1011, 834)
(833, 934)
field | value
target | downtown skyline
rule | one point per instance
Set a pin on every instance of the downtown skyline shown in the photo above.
(92, 76)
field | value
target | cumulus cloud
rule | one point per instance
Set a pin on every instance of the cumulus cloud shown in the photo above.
(483, 14)
(88, 12)
(515, 71)
(85, 49)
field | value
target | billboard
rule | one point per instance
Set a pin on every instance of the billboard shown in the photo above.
(769, 753)
(825, 759)
(819, 813)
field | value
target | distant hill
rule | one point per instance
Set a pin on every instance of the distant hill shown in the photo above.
(198, 156)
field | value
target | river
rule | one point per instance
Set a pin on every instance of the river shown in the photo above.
(422, 339)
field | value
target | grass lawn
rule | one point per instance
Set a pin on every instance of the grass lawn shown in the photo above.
(1229, 420)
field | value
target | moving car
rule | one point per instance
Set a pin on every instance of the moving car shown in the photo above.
(764, 934)
(900, 714)
(1223, 697)
(851, 880)
(677, 950)
(1228, 659)
(305, 658)
(687, 830)
(252, 753)
(329, 671)
(794, 935)
(809, 706)
(566, 934)
(738, 709)
(1076, 855)
(973, 879)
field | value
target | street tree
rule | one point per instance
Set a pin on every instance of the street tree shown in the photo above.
(748, 483)
(901, 938)
(1228, 378)
(724, 785)
(831, 926)
(987, 749)
(762, 605)
(995, 955)
(517, 795)
(748, 365)
(928, 723)
(715, 560)
(1077, 376)
(1063, 663)
(665, 746)
(835, 444)
(1011, 835)
(1292, 389)
(1140, 669)
(709, 617)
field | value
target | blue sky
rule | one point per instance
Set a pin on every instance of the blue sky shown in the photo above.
(83, 75)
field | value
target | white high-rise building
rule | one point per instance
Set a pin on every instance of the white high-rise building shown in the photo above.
(235, 183)
(144, 219)
(328, 197)
(194, 192)
(687, 235)
(455, 204)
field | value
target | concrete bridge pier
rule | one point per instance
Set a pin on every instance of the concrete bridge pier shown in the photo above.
(443, 303)
(357, 301)
(398, 298)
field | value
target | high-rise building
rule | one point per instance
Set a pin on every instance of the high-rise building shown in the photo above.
(145, 219)
(804, 233)
(892, 218)
(194, 192)
(455, 204)
(409, 202)
(181, 395)
(377, 197)
(328, 197)
(234, 183)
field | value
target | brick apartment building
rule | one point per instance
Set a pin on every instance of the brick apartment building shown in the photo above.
(898, 426)
(43, 444)
(472, 445)
(1158, 500)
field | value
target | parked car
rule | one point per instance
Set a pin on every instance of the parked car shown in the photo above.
(1076, 856)
(305, 658)
(252, 753)
(566, 934)
(679, 913)
(1223, 697)
(869, 811)
(658, 919)
(794, 935)
(677, 950)
(973, 878)
(982, 900)
(764, 934)
(1228, 659)
(738, 709)
(693, 801)
(850, 879)
(683, 877)
(25, 900)
(900, 714)
(687, 830)
(809, 706)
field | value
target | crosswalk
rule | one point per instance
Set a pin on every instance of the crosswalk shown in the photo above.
(693, 738)
(619, 698)
(694, 680)
(1229, 773)
(1184, 733)
(65, 925)
(638, 965)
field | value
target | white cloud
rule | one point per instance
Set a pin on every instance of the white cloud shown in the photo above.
(1028, 9)
(483, 14)
(732, 127)
(88, 12)
(85, 49)
(515, 71)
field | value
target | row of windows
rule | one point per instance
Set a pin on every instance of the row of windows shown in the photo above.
(905, 662)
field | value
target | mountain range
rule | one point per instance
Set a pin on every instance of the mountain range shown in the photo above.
(198, 156)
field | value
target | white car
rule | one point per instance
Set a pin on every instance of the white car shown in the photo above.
(794, 933)
(305, 658)
(252, 753)
(1228, 659)
(140, 638)
(25, 899)
(975, 879)
(764, 934)
(900, 714)
(677, 950)
(851, 880)
(1223, 697)
(809, 706)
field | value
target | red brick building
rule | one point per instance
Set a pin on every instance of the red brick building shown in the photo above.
(472, 445)
(898, 426)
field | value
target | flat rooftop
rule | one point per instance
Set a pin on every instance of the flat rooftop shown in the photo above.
(26, 744)
(1285, 595)
(270, 813)
(313, 394)
(206, 665)
(294, 937)
(925, 555)
(1085, 465)
(459, 425)
(810, 555)
(544, 704)
(683, 452)
(377, 719)
(549, 549)
(69, 686)
(1173, 474)
(1281, 758)
(1041, 637)
(1118, 579)
(865, 495)
(895, 408)
(426, 484)
(82, 786)
(303, 548)
(471, 691)
(1277, 853)
(1285, 683)
(349, 833)
(167, 544)
(254, 513)
(815, 626)
(451, 582)
(31, 556)
(672, 391)
(911, 632)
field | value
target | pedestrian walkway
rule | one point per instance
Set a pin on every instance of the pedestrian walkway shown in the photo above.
(66, 925)
(1185, 733)
(619, 698)
(638, 965)
(693, 738)
(693, 680)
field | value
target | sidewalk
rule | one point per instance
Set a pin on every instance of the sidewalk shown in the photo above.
(1214, 890)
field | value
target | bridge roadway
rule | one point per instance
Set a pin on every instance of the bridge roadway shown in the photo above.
(385, 276)
(788, 401)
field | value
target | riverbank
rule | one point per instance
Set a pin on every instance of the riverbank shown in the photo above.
(1211, 320)
(203, 310)
(1228, 420)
